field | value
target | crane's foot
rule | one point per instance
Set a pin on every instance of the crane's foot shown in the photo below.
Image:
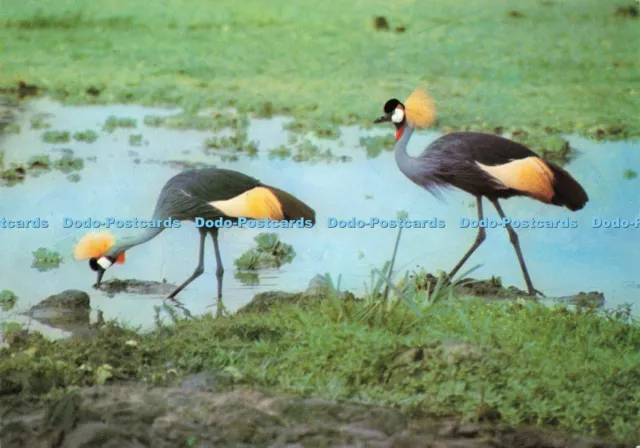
(534, 292)
(221, 310)
(180, 306)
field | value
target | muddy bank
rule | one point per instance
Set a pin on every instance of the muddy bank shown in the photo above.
(133, 416)
(133, 286)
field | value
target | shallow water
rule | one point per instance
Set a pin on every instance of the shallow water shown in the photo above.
(561, 261)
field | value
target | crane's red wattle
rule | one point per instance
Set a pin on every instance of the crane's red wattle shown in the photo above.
(399, 132)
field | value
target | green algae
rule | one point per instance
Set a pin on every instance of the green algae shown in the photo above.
(112, 123)
(135, 140)
(299, 59)
(8, 300)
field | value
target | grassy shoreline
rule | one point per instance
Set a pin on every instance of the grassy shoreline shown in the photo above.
(551, 67)
(514, 362)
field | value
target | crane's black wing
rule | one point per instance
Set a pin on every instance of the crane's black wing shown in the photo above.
(188, 194)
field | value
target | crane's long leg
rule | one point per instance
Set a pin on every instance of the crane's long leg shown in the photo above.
(219, 271)
(479, 239)
(199, 269)
(513, 237)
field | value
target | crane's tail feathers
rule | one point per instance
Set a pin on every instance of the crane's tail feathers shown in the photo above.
(567, 191)
(293, 208)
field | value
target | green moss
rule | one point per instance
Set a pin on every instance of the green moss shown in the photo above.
(88, 136)
(45, 260)
(56, 136)
(298, 58)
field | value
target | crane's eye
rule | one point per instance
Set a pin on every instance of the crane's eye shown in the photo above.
(93, 264)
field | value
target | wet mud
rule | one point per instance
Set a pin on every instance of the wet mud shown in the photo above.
(135, 416)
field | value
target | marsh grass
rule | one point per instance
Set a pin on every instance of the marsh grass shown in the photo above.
(297, 58)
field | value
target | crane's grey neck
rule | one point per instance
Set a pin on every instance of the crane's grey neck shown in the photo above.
(128, 243)
(403, 159)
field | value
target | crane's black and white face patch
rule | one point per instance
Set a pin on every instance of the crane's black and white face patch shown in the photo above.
(398, 115)
(103, 263)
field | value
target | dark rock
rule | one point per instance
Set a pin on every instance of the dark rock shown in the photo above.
(69, 310)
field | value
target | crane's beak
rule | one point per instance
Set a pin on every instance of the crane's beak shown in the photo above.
(384, 118)
(100, 274)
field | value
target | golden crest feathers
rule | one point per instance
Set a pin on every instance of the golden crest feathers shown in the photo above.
(420, 109)
(93, 245)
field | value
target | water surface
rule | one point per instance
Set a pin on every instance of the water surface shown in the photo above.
(123, 181)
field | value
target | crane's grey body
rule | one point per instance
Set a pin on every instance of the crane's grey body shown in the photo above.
(189, 195)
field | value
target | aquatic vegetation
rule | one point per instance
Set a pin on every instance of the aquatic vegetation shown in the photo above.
(45, 259)
(56, 136)
(307, 151)
(74, 177)
(629, 174)
(39, 123)
(270, 252)
(88, 136)
(68, 163)
(281, 153)
(11, 128)
(114, 123)
(8, 300)
(238, 143)
(375, 145)
(135, 140)
(205, 122)
(247, 278)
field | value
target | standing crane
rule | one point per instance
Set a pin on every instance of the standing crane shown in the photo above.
(483, 165)
(210, 194)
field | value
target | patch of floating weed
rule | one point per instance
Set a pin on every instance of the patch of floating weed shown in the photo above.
(56, 136)
(45, 260)
(216, 121)
(629, 174)
(8, 300)
(112, 123)
(135, 140)
(39, 164)
(68, 164)
(307, 151)
(375, 145)
(11, 128)
(66, 20)
(237, 143)
(281, 153)
(269, 253)
(39, 123)
(74, 177)
(88, 136)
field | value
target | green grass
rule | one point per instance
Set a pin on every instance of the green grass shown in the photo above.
(563, 65)
(520, 363)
